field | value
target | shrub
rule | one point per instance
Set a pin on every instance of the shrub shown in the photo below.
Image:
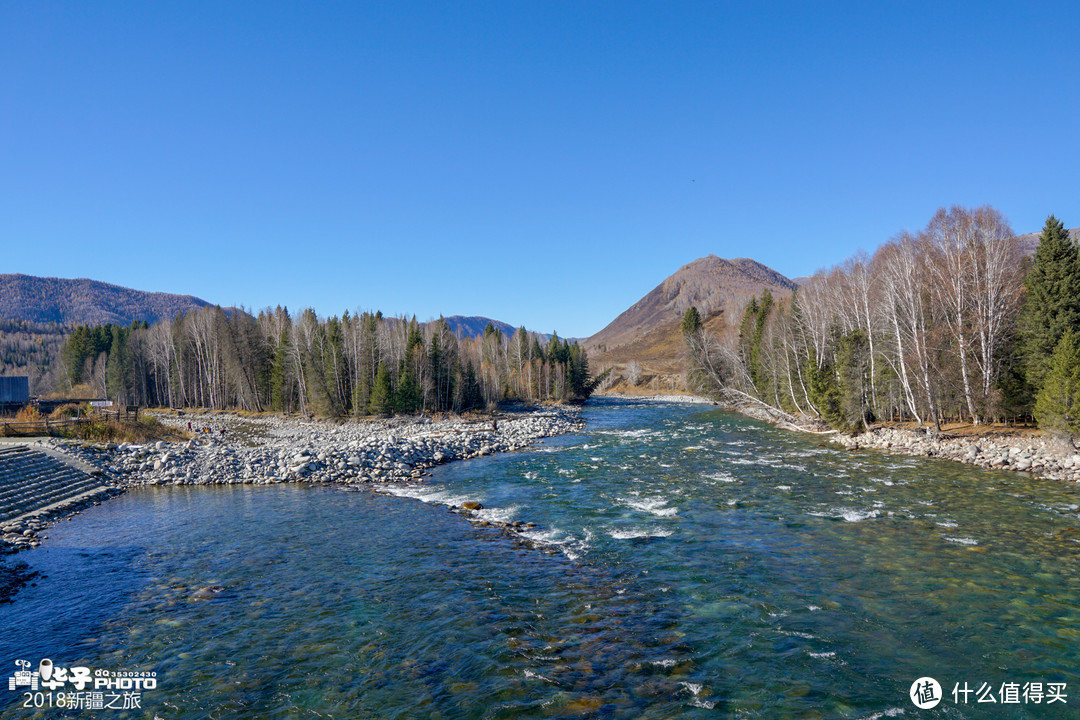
(28, 413)
(140, 431)
(66, 411)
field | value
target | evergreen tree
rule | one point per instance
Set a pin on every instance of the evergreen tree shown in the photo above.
(472, 395)
(407, 399)
(825, 392)
(439, 382)
(382, 394)
(1058, 405)
(362, 395)
(1052, 303)
(578, 371)
(334, 368)
(118, 368)
(691, 321)
(279, 380)
(853, 359)
(751, 346)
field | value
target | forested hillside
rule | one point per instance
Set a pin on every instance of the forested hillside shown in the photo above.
(86, 302)
(28, 348)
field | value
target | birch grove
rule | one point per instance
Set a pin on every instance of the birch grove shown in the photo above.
(924, 331)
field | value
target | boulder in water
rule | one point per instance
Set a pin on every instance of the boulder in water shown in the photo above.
(207, 592)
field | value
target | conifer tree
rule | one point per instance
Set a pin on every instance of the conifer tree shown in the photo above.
(279, 373)
(691, 321)
(408, 392)
(382, 394)
(436, 359)
(472, 395)
(119, 364)
(825, 391)
(1058, 405)
(1052, 304)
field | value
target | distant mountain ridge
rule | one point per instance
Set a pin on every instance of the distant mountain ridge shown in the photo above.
(474, 325)
(86, 302)
(92, 302)
(471, 326)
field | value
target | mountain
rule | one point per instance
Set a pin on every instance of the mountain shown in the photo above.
(712, 284)
(473, 325)
(86, 302)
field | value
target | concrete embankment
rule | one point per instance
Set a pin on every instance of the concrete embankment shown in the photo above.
(39, 484)
(1043, 456)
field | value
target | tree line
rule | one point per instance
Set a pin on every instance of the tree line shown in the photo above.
(341, 366)
(950, 323)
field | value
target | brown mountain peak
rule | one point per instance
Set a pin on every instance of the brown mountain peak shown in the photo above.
(712, 284)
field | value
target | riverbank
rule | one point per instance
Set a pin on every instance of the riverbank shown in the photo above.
(271, 449)
(1043, 456)
(999, 449)
(695, 399)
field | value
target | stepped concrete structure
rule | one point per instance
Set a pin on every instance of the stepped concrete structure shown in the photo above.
(36, 482)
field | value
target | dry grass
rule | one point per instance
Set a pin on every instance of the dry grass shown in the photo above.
(28, 414)
(132, 431)
(966, 429)
(67, 411)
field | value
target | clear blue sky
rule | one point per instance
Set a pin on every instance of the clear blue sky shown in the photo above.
(544, 163)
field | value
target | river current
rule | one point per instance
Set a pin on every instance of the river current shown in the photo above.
(685, 563)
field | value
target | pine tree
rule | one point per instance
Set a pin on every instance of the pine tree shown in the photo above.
(118, 368)
(279, 373)
(751, 334)
(436, 359)
(1052, 303)
(1058, 405)
(691, 321)
(578, 371)
(382, 394)
(408, 392)
(472, 396)
(825, 391)
(853, 360)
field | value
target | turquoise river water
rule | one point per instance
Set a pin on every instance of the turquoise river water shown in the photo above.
(686, 563)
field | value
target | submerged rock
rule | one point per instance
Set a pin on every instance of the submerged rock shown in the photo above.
(207, 592)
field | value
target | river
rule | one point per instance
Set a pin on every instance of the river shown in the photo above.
(685, 563)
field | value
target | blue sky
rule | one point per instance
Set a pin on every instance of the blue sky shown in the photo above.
(544, 163)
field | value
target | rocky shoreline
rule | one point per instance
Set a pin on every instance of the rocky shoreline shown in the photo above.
(1040, 455)
(274, 449)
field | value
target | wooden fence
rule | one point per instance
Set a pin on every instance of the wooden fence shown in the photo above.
(45, 426)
